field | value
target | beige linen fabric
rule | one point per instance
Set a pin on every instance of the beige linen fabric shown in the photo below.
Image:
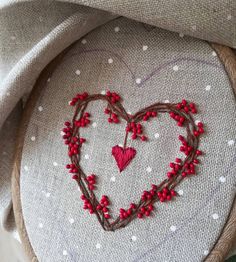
(210, 20)
(34, 32)
(144, 66)
(40, 31)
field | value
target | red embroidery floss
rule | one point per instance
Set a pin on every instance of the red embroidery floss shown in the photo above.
(162, 192)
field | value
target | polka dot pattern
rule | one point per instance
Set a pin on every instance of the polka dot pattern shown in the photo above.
(173, 228)
(134, 238)
(113, 179)
(117, 29)
(222, 179)
(110, 61)
(64, 252)
(71, 220)
(98, 246)
(40, 108)
(145, 47)
(231, 142)
(48, 194)
(77, 72)
(215, 216)
(175, 68)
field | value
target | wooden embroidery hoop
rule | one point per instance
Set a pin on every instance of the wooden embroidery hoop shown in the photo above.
(228, 234)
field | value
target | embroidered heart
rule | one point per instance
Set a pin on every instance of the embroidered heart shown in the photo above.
(123, 156)
(163, 192)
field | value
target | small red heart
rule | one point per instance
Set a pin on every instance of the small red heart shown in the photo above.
(123, 156)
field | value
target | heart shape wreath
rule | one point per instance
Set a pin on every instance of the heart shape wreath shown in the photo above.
(163, 192)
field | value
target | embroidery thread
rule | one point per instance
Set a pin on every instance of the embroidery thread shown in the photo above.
(162, 192)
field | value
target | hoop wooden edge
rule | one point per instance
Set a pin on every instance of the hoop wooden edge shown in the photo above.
(228, 234)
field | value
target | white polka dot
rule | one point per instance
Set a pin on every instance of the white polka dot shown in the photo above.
(229, 17)
(103, 92)
(86, 156)
(62, 133)
(206, 252)
(156, 135)
(134, 238)
(13, 37)
(138, 80)
(69, 102)
(180, 192)
(55, 164)
(166, 101)
(222, 179)
(84, 41)
(214, 53)
(231, 142)
(40, 225)
(26, 168)
(149, 169)
(110, 61)
(49, 79)
(40, 108)
(215, 216)
(71, 220)
(194, 27)
(94, 124)
(98, 246)
(77, 72)
(48, 194)
(113, 179)
(120, 145)
(208, 87)
(32, 138)
(181, 35)
(145, 47)
(117, 29)
(64, 253)
(173, 228)
(175, 68)
(197, 121)
(129, 112)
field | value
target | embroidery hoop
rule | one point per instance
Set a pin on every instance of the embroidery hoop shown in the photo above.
(228, 235)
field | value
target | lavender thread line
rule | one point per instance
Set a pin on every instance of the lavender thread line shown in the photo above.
(155, 70)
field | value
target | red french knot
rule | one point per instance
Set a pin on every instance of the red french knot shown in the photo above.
(162, 192)
(123, 156)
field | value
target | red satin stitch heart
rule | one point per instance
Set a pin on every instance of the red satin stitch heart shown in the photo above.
(180, 169)
(123, 156)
